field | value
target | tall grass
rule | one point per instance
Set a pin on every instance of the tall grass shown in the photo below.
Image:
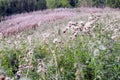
(76, 48)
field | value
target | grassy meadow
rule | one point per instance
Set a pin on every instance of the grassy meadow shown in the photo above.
(81, 46)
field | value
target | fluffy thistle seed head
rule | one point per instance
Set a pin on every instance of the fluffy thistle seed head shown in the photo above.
(102, 47)
(88, 24)
(24, 78)
(66, 29)
(45, 35)
(39, 24)
(90, 18)
(7, 78)
(96, 52)
(29, 39)
(1, 36)
(81, 23)
(114, 37)
(41, 67)
(56, 40)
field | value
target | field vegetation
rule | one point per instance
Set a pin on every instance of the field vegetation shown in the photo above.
(9, 7)
(66, 44)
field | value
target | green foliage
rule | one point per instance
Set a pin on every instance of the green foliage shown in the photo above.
(3, 7)
(9, 60)
(96, 3)
(110, 3)
(52, 3)
(64, 3)
(8, 7)
(100, 3)
(72, 59)
(113, 3)
(57, 3)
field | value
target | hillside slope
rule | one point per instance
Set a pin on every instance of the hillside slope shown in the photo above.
(19, 22)
(68, 44)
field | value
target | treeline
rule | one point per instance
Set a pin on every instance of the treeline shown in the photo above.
(8, 7)
(108, 3)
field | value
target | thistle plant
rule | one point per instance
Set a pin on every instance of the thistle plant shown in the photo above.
(80, 47)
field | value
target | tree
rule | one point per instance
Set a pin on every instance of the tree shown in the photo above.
(8, 7)
(74, 3)
(52, 3)
(57, 3)
(113, 3)
(86, 3)
(99, 3)
(40, 4)
(64, 3)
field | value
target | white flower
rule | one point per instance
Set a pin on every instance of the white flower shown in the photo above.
(7, 78)
(81, 23)
(39, 23)
(45, 35)
(18, 36)
(66, 29)
(116, 30)
(96, 52)
(113, 37)
(2, 71)
(89, 24)
(102, 47)
(9, 42)
(41, 67)
(118, 59)
(24, 78)
(90, 18)
(56, 40)
(85, 29)
(29, 39)
(1, 36)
